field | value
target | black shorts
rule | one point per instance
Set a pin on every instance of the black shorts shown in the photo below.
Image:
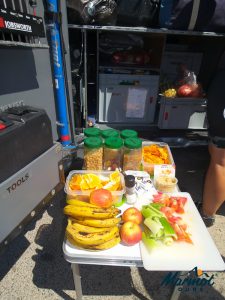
(216, 109)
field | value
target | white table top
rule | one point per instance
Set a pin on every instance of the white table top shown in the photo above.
(180, 256)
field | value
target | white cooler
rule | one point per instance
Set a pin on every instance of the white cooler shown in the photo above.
(182, 113)
(127, 98)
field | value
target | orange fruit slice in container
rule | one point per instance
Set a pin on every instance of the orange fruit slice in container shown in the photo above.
(75, 181)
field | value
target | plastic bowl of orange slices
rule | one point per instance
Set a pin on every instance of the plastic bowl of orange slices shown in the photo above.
(80, 183)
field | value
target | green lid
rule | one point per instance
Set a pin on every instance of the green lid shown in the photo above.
(92, 131)
(109, 133)
(93, 142)
(133, 143)
(128, 133)
(113, 142)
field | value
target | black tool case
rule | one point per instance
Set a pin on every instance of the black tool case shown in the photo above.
(25, 133)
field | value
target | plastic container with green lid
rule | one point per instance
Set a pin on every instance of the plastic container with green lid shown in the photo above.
(93, 153)
(106, 133)
(128, 133)
(132, 156)
(113, 153)
(92, 132)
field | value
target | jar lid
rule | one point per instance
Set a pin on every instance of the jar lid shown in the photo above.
(109, 133)
(133, 143)
(93, 142)
(114, 142)
(92, 131)
(129, 181)
(128, 133)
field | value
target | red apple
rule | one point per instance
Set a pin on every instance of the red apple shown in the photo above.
(101, 197)
(130, 233)
(132, 214)
(184, 91)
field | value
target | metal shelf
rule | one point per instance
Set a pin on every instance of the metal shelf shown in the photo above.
(21, 44)
(145, 29)
(128, 67)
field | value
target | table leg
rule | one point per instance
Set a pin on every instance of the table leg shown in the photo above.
(177, 289)
(176, 293)
(77, 281)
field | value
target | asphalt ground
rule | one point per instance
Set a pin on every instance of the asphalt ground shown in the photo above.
(33, 266)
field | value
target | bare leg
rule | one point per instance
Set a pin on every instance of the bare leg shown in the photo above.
(214, 187)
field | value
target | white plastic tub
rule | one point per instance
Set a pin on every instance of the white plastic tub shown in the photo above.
(84, 194)
(182, 113)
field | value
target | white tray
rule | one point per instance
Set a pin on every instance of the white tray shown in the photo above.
(181, 256)
(119, 255)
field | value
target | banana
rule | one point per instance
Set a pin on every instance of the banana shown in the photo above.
(98, 213)
(110, 222)
(107, 245)
(91, 239)
(77, 202)
(71, 240)
(104, 246)
(87, 229)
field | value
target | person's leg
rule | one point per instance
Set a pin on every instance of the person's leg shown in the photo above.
(214, 186)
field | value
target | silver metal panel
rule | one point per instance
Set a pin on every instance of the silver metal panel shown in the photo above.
(23, 191)
(26, 75)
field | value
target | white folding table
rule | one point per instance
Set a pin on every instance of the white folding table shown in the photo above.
(180, 257)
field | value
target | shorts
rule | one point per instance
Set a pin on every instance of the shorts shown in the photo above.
(217, 141)
(216, 109)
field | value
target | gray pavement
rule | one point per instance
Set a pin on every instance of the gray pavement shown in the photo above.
(33, 266)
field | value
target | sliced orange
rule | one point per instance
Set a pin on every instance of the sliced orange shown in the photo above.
(104, 179)
(84, 185)
(111, 186)
(92, 180)
(115, 176)
(74, 186)
(75, 181)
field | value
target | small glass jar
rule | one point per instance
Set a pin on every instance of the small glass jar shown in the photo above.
(132, 156)
(106, 133)
(92, 132)
(128, 133)
(113, 153)
(93, 153)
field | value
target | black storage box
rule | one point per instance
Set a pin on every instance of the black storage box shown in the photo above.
(25, 133)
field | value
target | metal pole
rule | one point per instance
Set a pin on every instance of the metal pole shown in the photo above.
(85, 112)
(59, 77)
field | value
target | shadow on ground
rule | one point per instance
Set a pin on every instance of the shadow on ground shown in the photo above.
(152, 282)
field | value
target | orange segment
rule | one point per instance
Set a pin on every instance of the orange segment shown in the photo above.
(75, 181)
(92, 180)
(111, 186)
(115, 176)
(84, 185)
(104, 179)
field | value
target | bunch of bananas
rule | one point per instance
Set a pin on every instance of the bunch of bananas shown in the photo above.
(91, 227)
